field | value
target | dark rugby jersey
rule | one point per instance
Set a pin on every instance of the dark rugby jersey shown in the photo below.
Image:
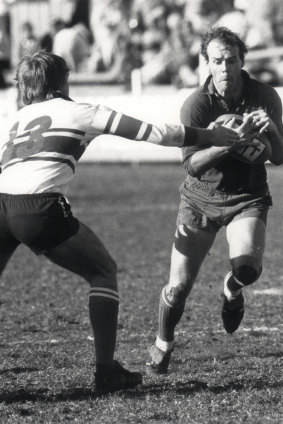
(203, 107)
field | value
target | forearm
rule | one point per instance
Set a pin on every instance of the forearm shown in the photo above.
(203, 160)
(108, 121)
(276, 140)
(181, 136)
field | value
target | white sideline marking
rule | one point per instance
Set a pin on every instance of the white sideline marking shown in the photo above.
(244, 329)
(274, 291)
(48, 341)
(265, 329)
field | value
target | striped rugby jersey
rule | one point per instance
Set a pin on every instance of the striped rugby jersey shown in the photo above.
(47, 139)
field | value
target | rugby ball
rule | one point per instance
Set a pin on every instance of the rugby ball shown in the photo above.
(258, 152)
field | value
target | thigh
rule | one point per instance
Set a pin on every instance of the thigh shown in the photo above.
(186, 262)
(4, 258)
(246, 239)
(8, 243)
(85, 255)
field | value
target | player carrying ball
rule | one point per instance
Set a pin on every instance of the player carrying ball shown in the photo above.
(47, 137)
(220, 190)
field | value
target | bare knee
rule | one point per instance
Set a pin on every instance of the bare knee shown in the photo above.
(177, 294)
(246, 271)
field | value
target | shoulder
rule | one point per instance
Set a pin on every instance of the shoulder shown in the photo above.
(71, 105)
(64, 113)
(262, 89)
(264, 96)
(195, 106)
(198, 96)
(82, 114)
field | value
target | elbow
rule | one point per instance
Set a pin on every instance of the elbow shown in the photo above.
(191, 170)
(277, 160)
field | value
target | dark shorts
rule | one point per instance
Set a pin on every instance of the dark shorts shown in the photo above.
(211, 211)
(40, 221)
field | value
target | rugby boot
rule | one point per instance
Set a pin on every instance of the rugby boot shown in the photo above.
(159, 360)
(232, 312)
(118, 379)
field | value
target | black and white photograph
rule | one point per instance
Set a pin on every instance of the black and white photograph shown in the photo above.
(141, 211)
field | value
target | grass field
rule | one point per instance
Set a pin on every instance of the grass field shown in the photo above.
(47, 362)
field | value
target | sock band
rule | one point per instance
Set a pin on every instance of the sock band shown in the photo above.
(163, 345)
(238, 281)
(104, 292)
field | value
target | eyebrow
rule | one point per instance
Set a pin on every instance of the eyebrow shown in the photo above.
(219, 58)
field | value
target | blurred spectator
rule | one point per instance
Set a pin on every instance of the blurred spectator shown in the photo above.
(148, 24)
(4, 51)
(264, 21)
(236, 21)
(123, 60)
(74, 45)
(204, 13)
(176, 61)
(109, 31)
(184, 51)
(29, 43)
(261, 16)
(114, 53)
(46, 41)
(257, 23)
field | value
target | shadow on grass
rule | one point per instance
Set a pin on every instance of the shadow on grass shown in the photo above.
(184, 388)
(17, 370)
(195, 386)
(24, 395)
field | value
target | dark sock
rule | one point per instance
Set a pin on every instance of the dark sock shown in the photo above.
(103, 312)
(104, 369)
(169, 316)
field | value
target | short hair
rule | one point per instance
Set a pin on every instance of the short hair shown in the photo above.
(40, 75)
(226, 36)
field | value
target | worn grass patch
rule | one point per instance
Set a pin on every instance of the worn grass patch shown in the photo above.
(47, 362)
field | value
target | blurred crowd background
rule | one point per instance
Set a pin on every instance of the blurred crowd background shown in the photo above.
(154, 41)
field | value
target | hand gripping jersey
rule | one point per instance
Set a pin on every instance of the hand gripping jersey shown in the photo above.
(47, 139)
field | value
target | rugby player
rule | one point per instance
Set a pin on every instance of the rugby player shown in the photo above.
(47, 137)
(220, 190)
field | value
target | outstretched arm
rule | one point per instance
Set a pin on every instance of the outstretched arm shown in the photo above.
(108, 121)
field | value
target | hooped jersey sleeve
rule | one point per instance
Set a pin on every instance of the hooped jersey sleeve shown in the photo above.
(108, 121)
(46, 140)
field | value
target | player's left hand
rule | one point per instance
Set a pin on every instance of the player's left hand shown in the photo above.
(247, 130)
(262, 121)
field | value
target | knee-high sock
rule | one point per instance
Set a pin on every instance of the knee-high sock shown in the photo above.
(169, 316)
(103, 312)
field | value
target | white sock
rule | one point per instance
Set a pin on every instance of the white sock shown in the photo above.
(164, 346)
(229, 293)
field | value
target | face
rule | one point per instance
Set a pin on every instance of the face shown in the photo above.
(225, 67)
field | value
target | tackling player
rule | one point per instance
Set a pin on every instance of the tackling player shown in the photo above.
(47, 137)
(220, 190)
